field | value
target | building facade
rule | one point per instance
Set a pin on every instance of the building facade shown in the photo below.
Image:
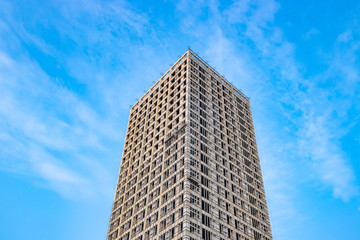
(190, 167)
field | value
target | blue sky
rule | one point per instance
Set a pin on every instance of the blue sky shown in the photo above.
(70, 69)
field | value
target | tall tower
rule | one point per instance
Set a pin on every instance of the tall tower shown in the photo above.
(190, 167)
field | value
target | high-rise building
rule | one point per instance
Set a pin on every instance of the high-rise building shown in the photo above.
(190, 167)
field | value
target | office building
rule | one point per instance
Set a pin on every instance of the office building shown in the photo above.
(190, 167)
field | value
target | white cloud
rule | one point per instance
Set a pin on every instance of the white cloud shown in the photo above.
(55, 175)
(45, 126)
(328, 160)
(279, 55)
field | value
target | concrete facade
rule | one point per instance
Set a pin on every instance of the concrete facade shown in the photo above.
(190, 167)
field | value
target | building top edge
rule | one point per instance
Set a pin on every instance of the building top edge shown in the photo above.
(240, 93)
(191, 53)
(161, 78)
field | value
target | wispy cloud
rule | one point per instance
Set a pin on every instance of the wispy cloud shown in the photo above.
(308, 106)
(34, 134)
(49, 132)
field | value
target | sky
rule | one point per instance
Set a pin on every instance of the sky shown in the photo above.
(69, 71)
